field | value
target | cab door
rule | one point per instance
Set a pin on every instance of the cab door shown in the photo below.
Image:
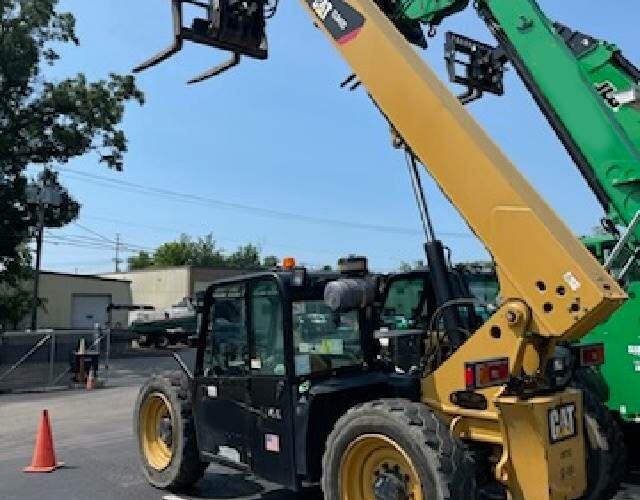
(272, 432)
(222, 395)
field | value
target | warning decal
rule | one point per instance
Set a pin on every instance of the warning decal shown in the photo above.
(339, 18)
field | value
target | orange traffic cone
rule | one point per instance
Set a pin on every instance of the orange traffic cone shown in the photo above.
(44, 456)
(91, 380)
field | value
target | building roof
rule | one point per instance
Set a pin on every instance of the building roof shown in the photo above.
(174, 268)
(85, 276)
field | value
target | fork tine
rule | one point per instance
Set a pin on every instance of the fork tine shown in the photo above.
(176, 14)
(216, 70)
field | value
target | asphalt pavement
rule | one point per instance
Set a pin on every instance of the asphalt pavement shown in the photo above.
(93, 436)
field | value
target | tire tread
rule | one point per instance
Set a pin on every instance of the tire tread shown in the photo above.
(453, 464)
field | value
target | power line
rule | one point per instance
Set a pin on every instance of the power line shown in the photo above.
(86, 242)
(83, 242)
(81, 264)
(95, 233)
(202, 200)
(98, 242)
(288, 247)
(93, 241)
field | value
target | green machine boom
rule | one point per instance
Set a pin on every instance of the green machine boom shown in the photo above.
(590, 93)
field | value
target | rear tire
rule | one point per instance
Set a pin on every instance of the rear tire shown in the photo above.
(397, 444)
(606, 451)
(162, 342)
(170, 460)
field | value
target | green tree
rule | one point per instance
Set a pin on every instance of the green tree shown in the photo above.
(15, 292)
(43, 122)
(185, 251)
(141, 261)
(270, 261)
(246, 256)
(205, 254)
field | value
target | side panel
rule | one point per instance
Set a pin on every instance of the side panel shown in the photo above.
(534, 431)
(221, 413)
(271, 432)
(621, 335)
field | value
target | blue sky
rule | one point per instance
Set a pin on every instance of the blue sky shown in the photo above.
(266, 136)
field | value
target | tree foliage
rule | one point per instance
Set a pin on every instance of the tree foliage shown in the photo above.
(140, 261)
(44, 122)
(15, 295)
(202, 252)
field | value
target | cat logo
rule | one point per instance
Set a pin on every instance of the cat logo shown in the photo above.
(562, 422)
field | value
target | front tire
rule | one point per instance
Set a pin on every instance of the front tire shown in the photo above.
(395, 449)
(165, 431)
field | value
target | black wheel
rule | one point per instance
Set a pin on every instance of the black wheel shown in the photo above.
(395, 449)
(161, 342)
(163, 425)
(606, 451)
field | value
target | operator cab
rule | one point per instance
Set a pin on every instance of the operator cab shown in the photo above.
(272, 357)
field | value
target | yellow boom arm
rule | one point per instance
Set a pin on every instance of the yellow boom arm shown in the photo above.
(553, 288)
(533, 249)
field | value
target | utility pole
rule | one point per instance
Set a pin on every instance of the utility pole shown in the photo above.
(118, 260)
(36, 277)
(41, 196)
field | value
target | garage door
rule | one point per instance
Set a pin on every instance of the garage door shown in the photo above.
(87, 310)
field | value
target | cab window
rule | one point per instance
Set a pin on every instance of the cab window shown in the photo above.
(403, 306)
(324, 340)
(266, 313)
(227, 350)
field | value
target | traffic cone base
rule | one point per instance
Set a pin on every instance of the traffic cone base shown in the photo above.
(31, 468)
(44, 455)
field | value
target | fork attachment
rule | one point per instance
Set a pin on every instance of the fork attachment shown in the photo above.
(483, 66)
(237, 26)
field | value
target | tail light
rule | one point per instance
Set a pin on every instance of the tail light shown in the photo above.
(591, 354)
(479, 374)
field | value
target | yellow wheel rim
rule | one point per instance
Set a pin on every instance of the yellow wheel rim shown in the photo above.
(156, 426)
(373, 458)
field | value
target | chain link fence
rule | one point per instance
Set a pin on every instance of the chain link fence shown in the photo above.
(45, 359)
